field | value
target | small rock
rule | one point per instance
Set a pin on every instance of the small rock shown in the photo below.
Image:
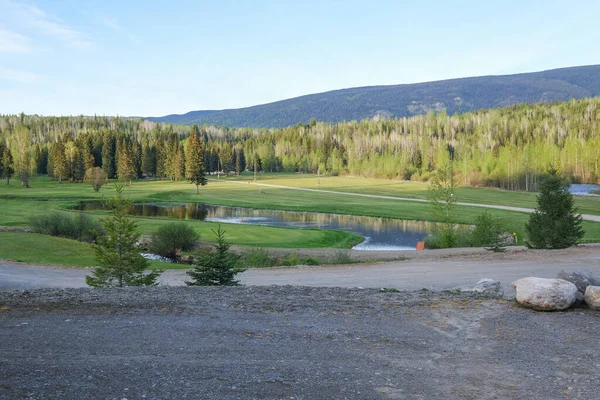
(592, 297)
(489, 287)
(545, 294)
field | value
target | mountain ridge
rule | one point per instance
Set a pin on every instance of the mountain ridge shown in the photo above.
(405, 100)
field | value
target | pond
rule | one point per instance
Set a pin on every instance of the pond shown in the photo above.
(379, 233)
(584, 189)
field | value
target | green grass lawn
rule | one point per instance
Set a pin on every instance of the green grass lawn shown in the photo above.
(17, 204)
(33, 248)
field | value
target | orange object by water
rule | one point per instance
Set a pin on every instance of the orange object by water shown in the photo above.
(420, 245)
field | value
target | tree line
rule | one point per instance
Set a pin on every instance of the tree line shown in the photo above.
(510, 148)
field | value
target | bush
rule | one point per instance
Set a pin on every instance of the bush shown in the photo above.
(294, 259)
(172, 238)
(486, 230)
(258, 258)
(342, 256)
(81, 227)
(456, 238)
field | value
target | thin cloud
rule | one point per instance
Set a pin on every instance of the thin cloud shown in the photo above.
(113, 24)
(38, 19)
(19, 76)
(11, 42)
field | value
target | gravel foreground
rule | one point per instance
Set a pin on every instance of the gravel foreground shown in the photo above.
(290, 343)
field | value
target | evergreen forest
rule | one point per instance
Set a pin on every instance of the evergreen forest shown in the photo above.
(509, 148)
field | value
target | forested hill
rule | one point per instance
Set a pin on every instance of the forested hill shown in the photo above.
(454, 95)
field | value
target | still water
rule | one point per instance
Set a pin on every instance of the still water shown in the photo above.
(379, 233)
(584, 189)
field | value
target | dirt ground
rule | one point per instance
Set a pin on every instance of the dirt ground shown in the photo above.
(411, 270)
(290, 343)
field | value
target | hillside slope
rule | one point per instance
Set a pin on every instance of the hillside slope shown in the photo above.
(454, 95)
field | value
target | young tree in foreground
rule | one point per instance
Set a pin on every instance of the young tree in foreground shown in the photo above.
(440, 194)
(555, 223)
(194, 166)
(217, 268)
(120, 261)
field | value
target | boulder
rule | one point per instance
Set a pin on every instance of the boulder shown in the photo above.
(580, 279)
(144, 243)
(592, 297)
(188, 259)
(545, 294)
(508, 238)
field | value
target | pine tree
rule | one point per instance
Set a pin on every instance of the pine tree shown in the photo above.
(148, 159)
(217, 268)
(22, 144)
(125, 164)
(161, 166)
(179, 163)
(120, 262)
(555, 223)
(59, 162)
(194, 166)
(108, 155)
(6, 164)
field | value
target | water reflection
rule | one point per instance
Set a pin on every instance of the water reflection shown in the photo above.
(379, 233)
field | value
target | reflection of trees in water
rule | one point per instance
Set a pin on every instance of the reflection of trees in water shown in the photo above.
(301, 219)
(375, 224)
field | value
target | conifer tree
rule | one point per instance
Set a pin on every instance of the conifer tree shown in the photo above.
(125, 166)
(108, 155)
(216, 268)
(179, 163)
(194, 167)
(161, 166)
(6, 164)
(121, 264)
(59, 162)
(555, 224)
(22, 161)
(148, 159)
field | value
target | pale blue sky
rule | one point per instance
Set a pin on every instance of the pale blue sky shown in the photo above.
(150, 58)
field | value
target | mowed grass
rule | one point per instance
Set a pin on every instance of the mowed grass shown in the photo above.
(33, 248)
(17, 204)
(412, 190)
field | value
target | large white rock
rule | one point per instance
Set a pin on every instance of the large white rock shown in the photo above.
(592, 297)
(545, 294)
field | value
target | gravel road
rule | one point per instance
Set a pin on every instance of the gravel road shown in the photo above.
(286, 342)
(431, 269)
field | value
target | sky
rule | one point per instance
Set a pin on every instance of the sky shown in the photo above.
(154, 57)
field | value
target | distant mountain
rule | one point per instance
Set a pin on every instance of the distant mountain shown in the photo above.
(454, 95)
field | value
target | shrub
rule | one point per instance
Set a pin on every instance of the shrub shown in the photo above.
(294, 259)
(342, 256)
(172, 238)
(258, 258)
(80, 227)
(486, 230)
(86, 228)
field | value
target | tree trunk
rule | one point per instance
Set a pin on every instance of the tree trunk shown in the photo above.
(197, 189)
